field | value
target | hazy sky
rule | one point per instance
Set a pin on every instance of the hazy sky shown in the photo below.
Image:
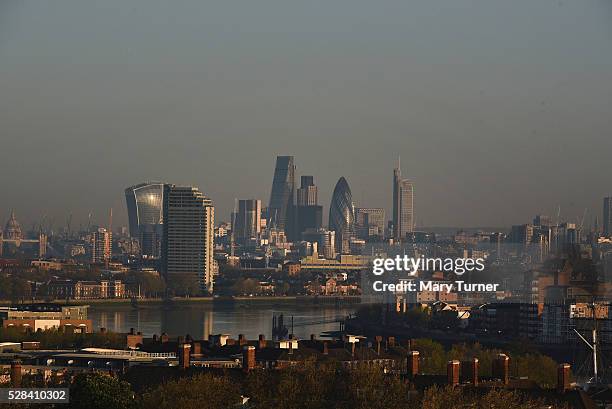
(500, 109)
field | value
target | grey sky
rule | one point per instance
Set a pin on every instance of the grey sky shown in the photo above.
(500, 109)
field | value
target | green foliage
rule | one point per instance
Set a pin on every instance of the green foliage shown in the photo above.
(204, 391)
(97, 391)
(456, 398)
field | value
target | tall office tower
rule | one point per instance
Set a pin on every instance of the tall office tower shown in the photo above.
(309, 215)
(282, 197)
(247, 222)
(403, 205)
(307, 193)
(369, 222)
(145, 213)
(607, 216)
(187, 242)
(101, 250)
(342, 215)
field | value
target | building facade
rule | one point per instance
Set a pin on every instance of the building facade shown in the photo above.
(282, 197)
(403, 206)
(369, 222)
(144, 204)
(342, 215)
(188, 234)
(101, 249)
(607, 216)
(247, 222)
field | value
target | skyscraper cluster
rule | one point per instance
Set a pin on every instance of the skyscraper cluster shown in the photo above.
(175, 224)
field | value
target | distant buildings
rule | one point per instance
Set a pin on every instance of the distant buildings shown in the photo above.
(12, 230)
(13, 241)
(144, 205)
(325, 240)
(308, 212)
(607, 216)
(282, 196)
(86, 290)
(369, 222)
(188, 234)
(247, 222)
(101, 249)
(307, 193)
(342, 215)
(403, 205)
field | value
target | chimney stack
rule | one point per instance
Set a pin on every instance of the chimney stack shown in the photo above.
(196, 348)
(242, 340)
(378, 340)
(262, 341)
(563, 378)
(325, 348)
(248, 358)
(452, 372)
(391, 342)
(413, 364)
(501, 368)
(16, 374)
(184, 355)
(164, 338)
(132, 332)
(313, 337)
(469, 371)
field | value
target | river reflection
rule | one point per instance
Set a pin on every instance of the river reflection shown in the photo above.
(200, 319)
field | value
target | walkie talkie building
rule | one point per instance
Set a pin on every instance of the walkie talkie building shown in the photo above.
(145, 214)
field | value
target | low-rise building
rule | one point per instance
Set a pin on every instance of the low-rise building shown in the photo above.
(46, 316)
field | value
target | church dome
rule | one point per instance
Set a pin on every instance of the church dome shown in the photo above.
(12, 230)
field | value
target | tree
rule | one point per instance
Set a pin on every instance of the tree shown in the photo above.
(98, 391)
(203, 391)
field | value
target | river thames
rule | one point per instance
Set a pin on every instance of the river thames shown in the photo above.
(200, 319)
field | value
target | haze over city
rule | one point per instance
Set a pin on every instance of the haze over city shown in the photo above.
(499, 109)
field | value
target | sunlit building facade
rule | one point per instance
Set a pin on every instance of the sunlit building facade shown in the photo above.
(187, 241)
(144, 204)
(403, 206)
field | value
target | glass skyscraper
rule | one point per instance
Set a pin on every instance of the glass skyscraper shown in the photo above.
(342, 215)
(144, 205)
(247, 222)
(282, 197)
(308, 213)
(403, 206)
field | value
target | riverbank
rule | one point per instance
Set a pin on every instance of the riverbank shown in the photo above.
(182, 300)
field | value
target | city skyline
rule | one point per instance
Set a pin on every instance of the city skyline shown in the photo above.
(493, 107)
(576, 213)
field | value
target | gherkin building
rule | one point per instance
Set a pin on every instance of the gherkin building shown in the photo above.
(342, 215)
